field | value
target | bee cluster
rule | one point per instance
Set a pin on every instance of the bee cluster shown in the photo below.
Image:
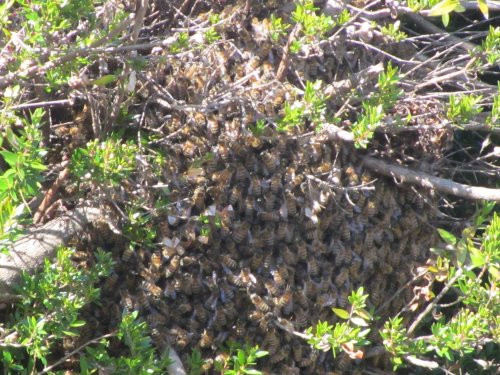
(263, 230)
(267, 236)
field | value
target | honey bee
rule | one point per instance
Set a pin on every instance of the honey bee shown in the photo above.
(241, 174)
(126, 300)
(279, 276)
(152, 288)
(369, 237)
(268, 237)
(302, 251)
(270, 161)
(200, 313)
(235, 195)
(295, 181)
(220, 318)
(213, 126)
(199, 198)
(173, 266)
(240, 232)
(256, 260)
(187, 261)
(270, 201)
(156, 260)
(297, 351)
(223, 151)
(206, 339)
(272, 288)
(282, 231)
(345, 231)
(128, 253)
(228, 261)
(259, 303)
(256, 187)
(268, 261)
(355, 266)
(291, 205)
(300, 319)
(312, 267)
(289, 256)
(246, 277)
(155, 319)
(272, 341)
(170, 291)
(342, 277)
(227, 293)
(143, 301)
(276, 183)
(111, 282)
(272, 216)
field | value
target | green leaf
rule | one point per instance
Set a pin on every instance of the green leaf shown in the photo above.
(359, 321)
(447, 237)
(461, 253)
(252, 372)
(477, 257)
(261, 353)
(10, 157)
(446, 19)
(104, 80)
(341, 313)
(445, 7)
(483, 7)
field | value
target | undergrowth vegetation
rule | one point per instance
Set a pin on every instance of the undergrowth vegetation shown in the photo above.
(53, 49)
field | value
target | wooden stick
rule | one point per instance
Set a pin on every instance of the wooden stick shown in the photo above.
(428, 181)
(29, 253)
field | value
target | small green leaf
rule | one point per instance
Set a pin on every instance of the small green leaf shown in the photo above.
(359, 321)
(341, 313)
(432, 269)
(252, 372)
(445, 18)
(261, 353)
(477, 257)
(104, 80)
(461, 253)
(445, 7)
(483, 7)
(10, 157)
(447, 237)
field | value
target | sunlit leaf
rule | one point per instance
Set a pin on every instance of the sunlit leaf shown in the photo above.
(359, 321)
(447, 236)
(445, 18)
(104, 80)
(477, 257)
(341, 313)
(445, 7)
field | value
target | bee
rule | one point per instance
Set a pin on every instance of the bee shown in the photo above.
(227, 293)
(156, 260)
(253, 64)
(143, 301)
(173, 266)
(256, 187)
(276, 183)
(345, 231)
(272, 288)
(152, 288)
(259, 303)
(312, 267)
(200, 313)
(272, 216)
(126, 300)
(111, 282)
(228, 261)
(270, 201)
(352, 176)
(355, 266)
(188, 149)
(187, 261)
(170, 291)
(302, 251)
(279, 276)
(155, 319)
(256, 260)
(240, 232)
(196, 285)
(282, 231)
(295, 181)
(246, 277)
(241, 174)
(235, 195)
(342, 298)
(268, 237)
(311, 234)
(206, 339)
(268, 261)
(220, 318)
(342, 277)
(300, 319)
(297, 351)
(213, 126)
(289, 257)
(272, 341)
(369, 237)
(270, 161)
(368, 262)
(128, 253)
(291, 205)
(199, 198)
(240, 328)
(249, 207)
(223, 151)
